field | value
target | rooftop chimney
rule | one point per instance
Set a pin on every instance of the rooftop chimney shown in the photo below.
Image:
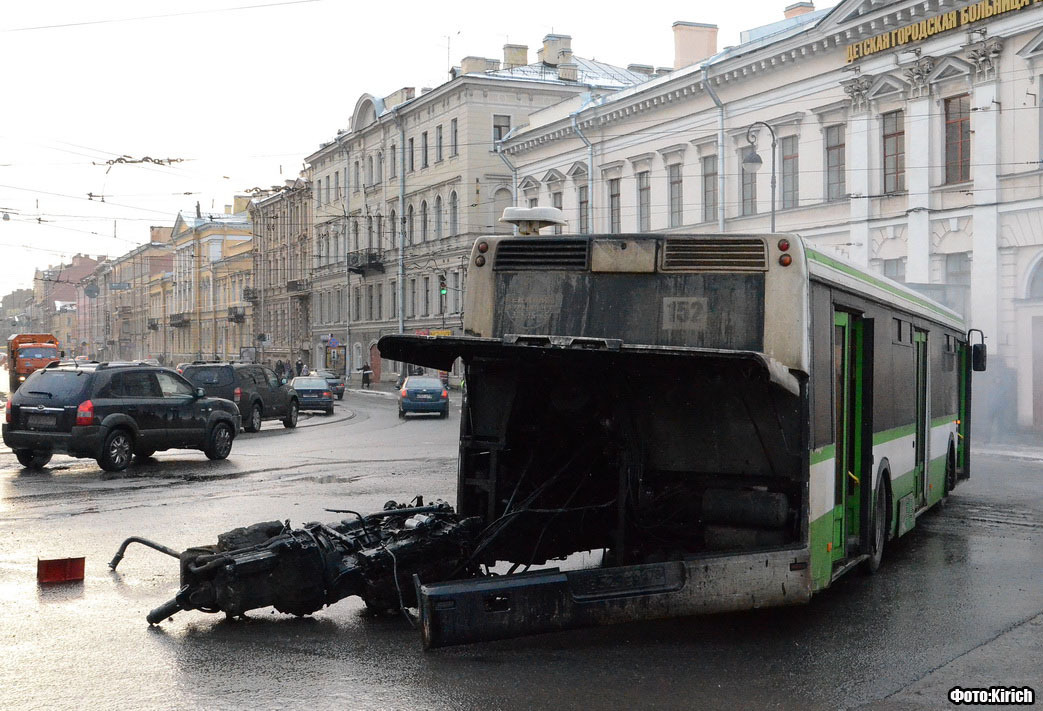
(473, 65)
(799, 8)
(568, 71)
(553, 47)
(693, 42)
(515, 55)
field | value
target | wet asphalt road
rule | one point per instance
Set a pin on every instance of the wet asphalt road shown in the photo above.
(969, 573)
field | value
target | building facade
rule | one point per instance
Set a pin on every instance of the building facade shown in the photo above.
(908, 138)
(401, 194)
(200, 243)
(283, 269)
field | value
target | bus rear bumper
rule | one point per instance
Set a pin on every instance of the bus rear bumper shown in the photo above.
(484, 609)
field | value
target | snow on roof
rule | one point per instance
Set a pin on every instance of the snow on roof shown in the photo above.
(588, 71)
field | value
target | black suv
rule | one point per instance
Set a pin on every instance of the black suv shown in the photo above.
(258, 391)
(112, 412)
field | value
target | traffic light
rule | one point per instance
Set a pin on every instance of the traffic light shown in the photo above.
(442, 288)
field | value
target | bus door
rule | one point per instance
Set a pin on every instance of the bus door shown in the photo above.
(920, 443)
(853, 427)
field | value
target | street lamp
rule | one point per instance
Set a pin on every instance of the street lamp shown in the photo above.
(752, 161)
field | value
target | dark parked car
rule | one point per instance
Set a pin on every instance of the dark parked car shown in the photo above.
(423, 394)
(258, 391)
(314, 393)
(336, 382)
(113, 412)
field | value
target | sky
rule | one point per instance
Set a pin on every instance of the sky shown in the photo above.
(237, 92)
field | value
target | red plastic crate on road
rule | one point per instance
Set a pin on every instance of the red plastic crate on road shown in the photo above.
(59, 570)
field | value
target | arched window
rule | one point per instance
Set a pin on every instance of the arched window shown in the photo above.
(423, 221)
(438, 217)
(380, 167)
(502, 199)
(454, 214)
(1036, 284)
(410, 234)
(380, 231)
(393, 230)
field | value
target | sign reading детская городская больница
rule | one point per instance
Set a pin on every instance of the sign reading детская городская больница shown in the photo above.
(930, 26)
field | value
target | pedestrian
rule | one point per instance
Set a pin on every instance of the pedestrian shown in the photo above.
(300, 366)
(366, 373)
(280, 368)
(304, 369)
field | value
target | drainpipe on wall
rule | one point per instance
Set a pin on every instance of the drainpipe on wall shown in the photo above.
(402, 222)
(590, 161)
(720, 146)
(514, 174)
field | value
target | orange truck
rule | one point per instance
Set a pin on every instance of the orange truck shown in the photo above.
(27, 353)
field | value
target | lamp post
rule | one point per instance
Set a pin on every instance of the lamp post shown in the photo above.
(753, 162)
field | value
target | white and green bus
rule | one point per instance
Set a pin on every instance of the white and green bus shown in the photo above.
(710, 422)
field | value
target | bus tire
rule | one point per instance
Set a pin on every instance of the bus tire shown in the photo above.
(950, 470)
(881, 524)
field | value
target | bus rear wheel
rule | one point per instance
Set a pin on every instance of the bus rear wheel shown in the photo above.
(881, 519)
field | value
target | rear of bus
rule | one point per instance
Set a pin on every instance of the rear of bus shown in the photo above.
(636, 403)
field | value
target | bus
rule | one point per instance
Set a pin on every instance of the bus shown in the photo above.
(708, 422)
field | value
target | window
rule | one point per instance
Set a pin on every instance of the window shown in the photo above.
(357, 301)
(613, 206)
(380, 167)
(748, 184)
(369, 170)
(380, 302)
(894, 151)
(452, 138)
(957, 139)
(411, 303)
(423, 221)
(423, 149)
(369, 302)
(394, 162)
(380, 231)
(369, 232)
(584, 209)
(790, 172)
(411, 156)
(438, 143)
(393, 288)
(427, 296)
(335, 254)
(327, 189)
(836, 170)
(357, 180)
(534, 202)
(393, 228)
(409, 224)
(709, 188)
(355, 234)
(958, 268)
(438, 217)
(318, 191)
(673, 175)
(501, 126)
(555, 201)
(644, 201)
(336, 185)
(456, 292)
(895, 269)
(454, 213)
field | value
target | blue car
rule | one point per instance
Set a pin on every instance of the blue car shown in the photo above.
(313, 393)
(422, 394)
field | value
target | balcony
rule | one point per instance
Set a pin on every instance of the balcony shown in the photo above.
(180, 320)
(298, 286)
(153, 324)
(250, 294)
(366, 260)
(237, 314)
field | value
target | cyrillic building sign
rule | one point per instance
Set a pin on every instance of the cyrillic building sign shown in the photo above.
(930, 26)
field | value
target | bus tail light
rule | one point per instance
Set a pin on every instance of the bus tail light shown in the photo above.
(483, 247)
(785, 260)
(479, 261)
(783, 244)
(85, 414)
(237, 395)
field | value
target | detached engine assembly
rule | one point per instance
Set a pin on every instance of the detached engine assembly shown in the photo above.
(301, 570)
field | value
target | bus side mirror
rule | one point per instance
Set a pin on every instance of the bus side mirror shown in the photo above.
(979, 355)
